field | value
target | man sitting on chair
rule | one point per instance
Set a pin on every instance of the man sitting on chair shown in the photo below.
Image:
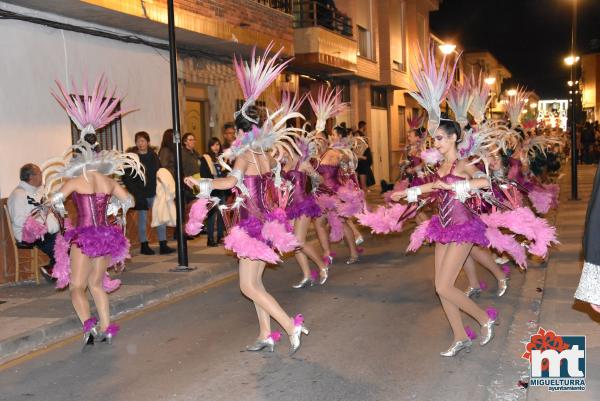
(21, 203)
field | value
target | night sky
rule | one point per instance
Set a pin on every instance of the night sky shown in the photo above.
(529, 37)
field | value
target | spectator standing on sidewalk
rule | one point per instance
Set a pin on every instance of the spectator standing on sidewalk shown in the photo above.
(144, 193)
(589, 283)
(167, 152)
(365, 161)
(228, 135)
(211, 168)
(191, 163)
(22, 202)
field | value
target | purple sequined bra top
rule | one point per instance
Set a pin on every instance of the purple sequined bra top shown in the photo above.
(261, 195)
(298, 179)
(330, 175)
(91, 209)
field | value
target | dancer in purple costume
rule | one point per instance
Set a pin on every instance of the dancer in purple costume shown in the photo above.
(302, 209)
(455, 230)
(263, 230)
(329, 169)
(85, 252)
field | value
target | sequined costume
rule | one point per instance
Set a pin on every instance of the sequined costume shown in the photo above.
(302, 202)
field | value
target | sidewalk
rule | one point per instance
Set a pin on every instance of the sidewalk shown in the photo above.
(560, 312)
(34, 316)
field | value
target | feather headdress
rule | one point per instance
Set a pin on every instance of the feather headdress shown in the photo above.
(416, 120)
(459, 99)
(273, 134)
(515, 104)
(538, 143)
(481, 97)
(255, 77)
(432, 84)
(92, 112)
(328, 104)
(487, 140)
(81, 158)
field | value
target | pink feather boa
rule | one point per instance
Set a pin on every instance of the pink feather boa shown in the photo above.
(337, 229)
(540, 199)
(277, 233)
(247, 247)
(522, 221)
(385, 219)
(198, 213)
(418, 236)
(507, 243)
(33, 230)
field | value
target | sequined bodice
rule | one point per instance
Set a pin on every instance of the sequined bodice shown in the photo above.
(91, 209)
(298, 180)
(414, 161)
(261, 194)
(330, 176)
(451, 211)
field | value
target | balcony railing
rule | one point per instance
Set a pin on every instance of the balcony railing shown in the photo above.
(309, 13)
(281, 5)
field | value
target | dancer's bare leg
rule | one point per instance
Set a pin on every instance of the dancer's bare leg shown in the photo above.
(350, 240)
(471, 272)
(80, 271)
(300, 233)
(449, 260)
(484, 257)
(252, 287)
(354, 229)
(264, 320)
(301, 226)
(99, 266)
(322, 234)
(363, 182)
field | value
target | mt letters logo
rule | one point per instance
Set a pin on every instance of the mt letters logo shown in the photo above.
(556, 362)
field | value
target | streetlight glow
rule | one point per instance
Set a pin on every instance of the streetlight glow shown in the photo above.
(490, 80)
(447, 48)
(511, 92)
(570, 60)
(533, 105)
(570, 83)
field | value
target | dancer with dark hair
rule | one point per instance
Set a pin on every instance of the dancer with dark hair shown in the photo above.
(263, 229)
(95, 243)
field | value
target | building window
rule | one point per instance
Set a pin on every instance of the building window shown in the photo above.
(110, 137)
(344, 85)
(365, 43)
(379, 97)
(398, 35)
(402, 125)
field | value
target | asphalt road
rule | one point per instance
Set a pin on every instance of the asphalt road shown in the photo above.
(376, 332)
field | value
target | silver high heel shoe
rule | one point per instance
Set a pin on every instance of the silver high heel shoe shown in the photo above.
(90, 332)
(502, 286)
(473, 292)
(489, 326)
(359, 240)
(259, 345)
(299, 329)
(457, 347)
(107, 336)
(324, 276)
(352, 260)
(305, 282)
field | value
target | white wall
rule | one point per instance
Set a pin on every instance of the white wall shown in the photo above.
(33, 127)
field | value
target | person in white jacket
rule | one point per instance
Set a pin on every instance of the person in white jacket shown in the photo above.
(23, 201)
(163, 211)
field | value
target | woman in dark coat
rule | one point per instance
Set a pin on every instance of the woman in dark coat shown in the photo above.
(211, 168)
(589, 284)
(144, 193)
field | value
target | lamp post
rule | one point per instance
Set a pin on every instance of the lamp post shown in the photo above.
(571, 61)
(182, 256)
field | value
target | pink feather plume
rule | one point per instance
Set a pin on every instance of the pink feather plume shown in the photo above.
(276, 233)
(33, 230)
(431, 156)
(418, 236)
(245, 246)
(198, 213)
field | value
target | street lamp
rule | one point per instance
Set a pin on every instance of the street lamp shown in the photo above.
(570, 83)
(447, 48)
(533, 106)
(490, 80)
(512, 92)
(570, 60)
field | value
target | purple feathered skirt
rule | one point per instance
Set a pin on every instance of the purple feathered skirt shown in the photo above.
(93, 241)
(303, 207)
(263, 238)
(472, 231)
